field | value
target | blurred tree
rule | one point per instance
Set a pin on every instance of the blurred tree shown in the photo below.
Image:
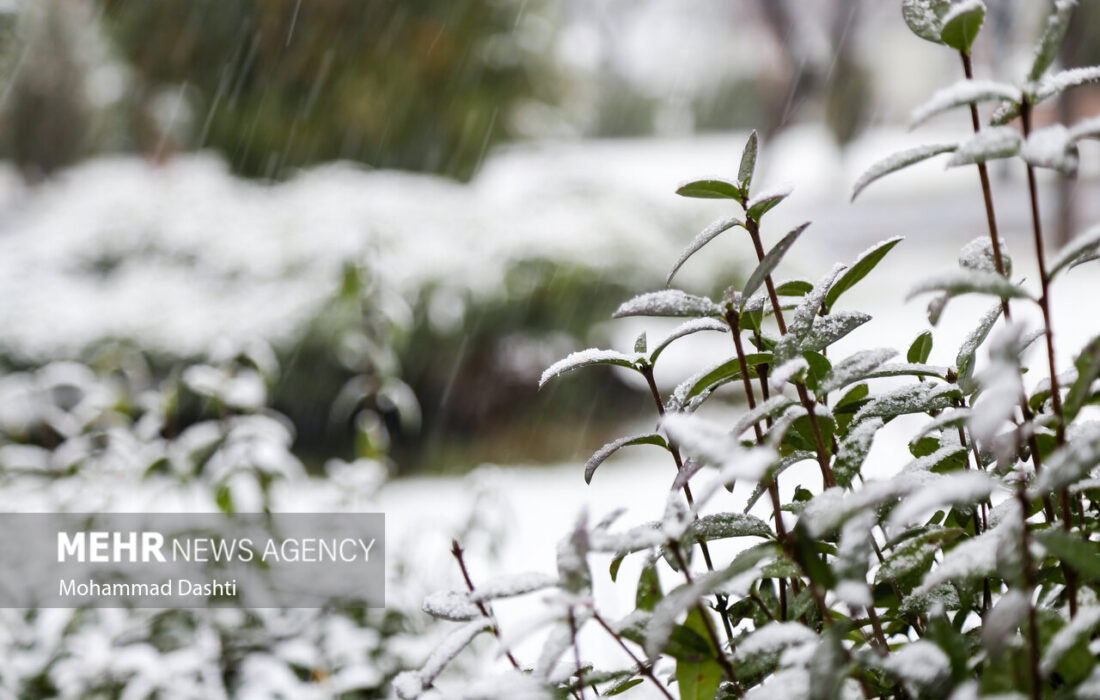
(410, 84)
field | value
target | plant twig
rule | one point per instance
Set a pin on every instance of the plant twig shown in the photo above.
(643, 668)
(457, 553)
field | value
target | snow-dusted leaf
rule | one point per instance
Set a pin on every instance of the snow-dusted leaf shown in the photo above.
(925, 17)
(999, 625)
(854, 368)
(512, 585)
(832, 327)
(853, 450)
(748, 162)
(706, 236)
(1051, 147)
(915, 553)
(912, 398)
(723, 525)
(448, 649)
(686, 328)
(764, 202)
(774, 406)
(973, 558)
(773, 638)
(961, 488)
(948, 419)
(1059, 82)
(859, 269)
(831, 508)
(769, 263)
(714, 188)
(1046, 50)
(921, 348)
(587, 358)
(804, 317)
(614, 446)
(700, 438)
(989, 144)
(451, 605)
(774, 470)
(668, 302)
(978, 255)
(959, 282)
(964, 92)
(964, 361)
(1078, 629)
(962, 23)
(908, 369)
(718, 375)
(1084, 244)
(1087, 365)
(899, 161)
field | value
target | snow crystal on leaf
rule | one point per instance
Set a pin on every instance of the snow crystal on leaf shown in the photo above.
(773, 638)
(961, 93)
(990, 144)
(853, 450)
(1051, 147)
(955, 489)
(974, 558)
(1081, 245)
(667, 302)
(1080, 627)
(959, 282)
(706, 236)
(853, 593)
(769, 408)
(700, 437)
(1073, 461)
(831, 328)
(792, 683)
(912, 398)
(454, 643)
(1060, 82)
(587, 358)
(1046, 50)
(898, 161)
(512, 585)
(695, 325)
(853, 368)
(451, 605)
(793, 370)
(831, 508)
(978, 255)
(1000, 623)
(922, 663)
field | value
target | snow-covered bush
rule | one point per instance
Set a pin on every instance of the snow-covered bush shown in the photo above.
(972, 572)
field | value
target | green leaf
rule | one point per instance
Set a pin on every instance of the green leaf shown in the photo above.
(588, 358)
(698, 680)
(720, 526)
(667, 302)
(854, 368)
(1051, 40)
(1088, 369)
(831, 328)
(960, 94)
(925, 17)
(769, 263)
(964, 361)
(1084, 244)
(913, 398)
(920, 349)
(859, 269)
(622, 687)
(710, 189)
(989, 144)
(706, 236)
(962, 23)
(640, 343)
(794, 288)
(614, 446)
(819, 368)
(899, 161)
(649, 587)
(1082, 556)
(224, 499)
(761, 204)
(853, 451)
(748, 163)
(722, 374)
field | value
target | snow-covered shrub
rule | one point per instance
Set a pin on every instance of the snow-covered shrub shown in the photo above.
(972, 572)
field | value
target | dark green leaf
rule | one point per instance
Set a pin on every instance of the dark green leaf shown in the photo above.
(1082, 556)
(769, 263)
(859, 269)
(622, 687)
(964, 361)
(649, 587)
(748, 163)
(726, 372)
(920, 349)
(698, 680)
(925, 17)
(961, 25)
(710, 189)
(763, 203)
(1088, 370)
(614, 446)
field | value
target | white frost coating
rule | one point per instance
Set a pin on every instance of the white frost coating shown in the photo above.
(854, 448)
(961, 93)
(921, 663)
(557, 641)
(695, 325)
(959, 282)
(771, 407)
(700, 437)
(706, 236)
(585, 358)
(898, 161)
(1073, 461)
(512, 585)
(677, 602)
(1001, 387)
(832, 507)
(912, 398)
(408, 685)
(667, 302)
(973, 558)
(948, 419)
(999, 624)
(448, 649)
(961, 7)
(806, 313)
(677, 517)
(949, 447)
(779, 192)
(451, 605)
(774, 637)
(793, 683)
(997, 142)
(828, 329)
(1089, 689)
(1064, 80)
(854, 367)
(512, 685)
(1080, 627)
(790, 371)
(1051, 147)
(853, 593)
(1083, 244)
(978, 255)
(632, 540)
(749, 465)
(970, 691)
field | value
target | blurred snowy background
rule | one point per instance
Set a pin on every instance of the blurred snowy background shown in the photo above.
(310, 255)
